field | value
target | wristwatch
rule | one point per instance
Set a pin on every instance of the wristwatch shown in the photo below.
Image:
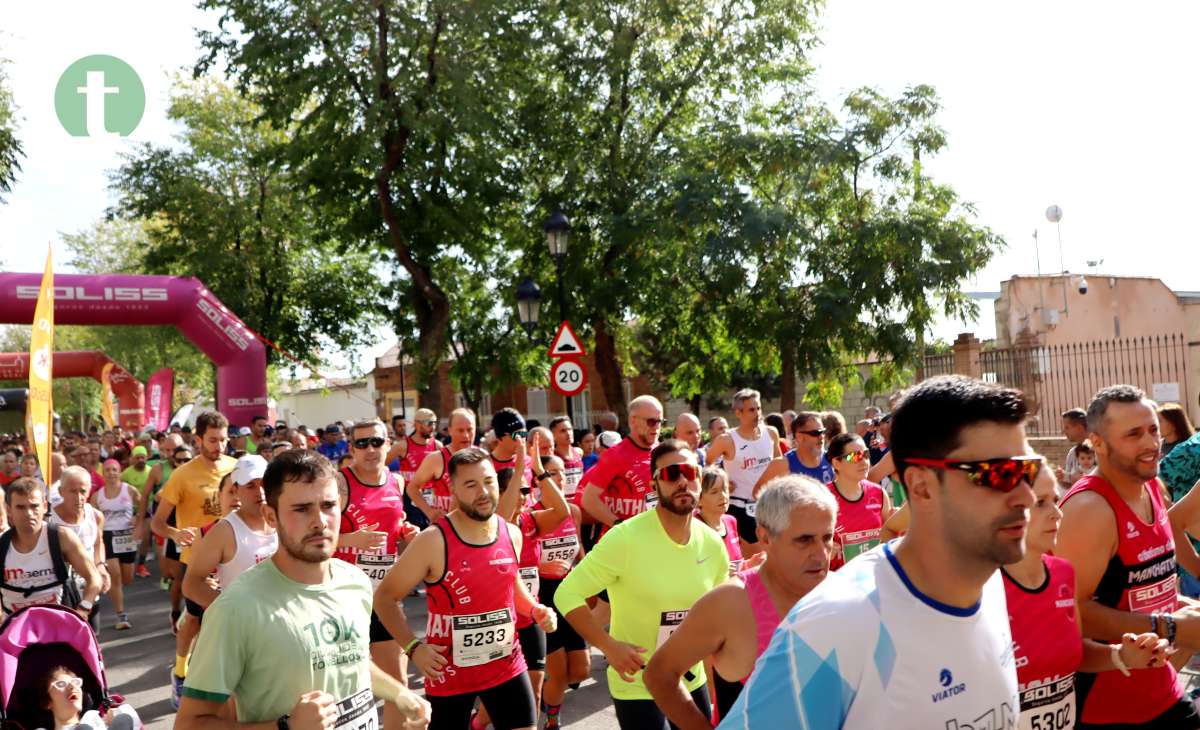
(86, 605)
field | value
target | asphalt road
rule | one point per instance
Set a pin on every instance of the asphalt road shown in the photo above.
(138, 661)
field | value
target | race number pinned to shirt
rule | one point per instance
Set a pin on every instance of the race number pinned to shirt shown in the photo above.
(563, 547)
(357, 712)
(375, 566)
(651, 500)
(1049, 705)
(667, 623)
(529, 576)
(480, 638)
(751, 509)
(123, 542)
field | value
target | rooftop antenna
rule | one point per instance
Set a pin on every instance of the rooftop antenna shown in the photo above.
(1054, 214)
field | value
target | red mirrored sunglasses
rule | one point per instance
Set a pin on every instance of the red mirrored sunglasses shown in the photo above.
(1003, 474)
(671, 473)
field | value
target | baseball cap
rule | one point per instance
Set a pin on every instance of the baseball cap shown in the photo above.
(249, 468)
(333, 428)
(424, 414)
(243, 431)
(139, 451)
(507, 422)
(609, 439)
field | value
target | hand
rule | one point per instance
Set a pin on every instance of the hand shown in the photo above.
(429, 660)
(409, 531)
(184, 537)
(316, 710)
(545, 617)
(1140, 651)
(626, 659)
(83, 613)
(415, 711)
(105, 578)
(555, 569)
(139, 530)
(755, 560)
(212, 582)
(1059, 474)
(368, 538)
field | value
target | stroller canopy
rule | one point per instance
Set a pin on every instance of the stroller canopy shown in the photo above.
(51, 635)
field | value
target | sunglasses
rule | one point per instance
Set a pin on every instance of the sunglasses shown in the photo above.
(62, 684)
(652, 422)
(671, 473)
(520, 434)
(815, 433)
(1003, 474)
(853, 457)
(375, 441)
(427, 423)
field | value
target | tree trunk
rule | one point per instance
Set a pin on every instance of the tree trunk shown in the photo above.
(694, 405)
(787, 382)
(609, 370)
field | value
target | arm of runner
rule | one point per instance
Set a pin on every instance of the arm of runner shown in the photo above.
(367, 538)
(776, 445)
(602, 567)
(511, 496)
(777, 468)
(73, 553)
(422, 560)
(888, 510)
(144, 503)
(557, 508)
(896, 525)
(701, 635)
(208, 552)
(315, 711)
(594, 505)
(525, 603)
(413, 708)
(1184, 514)
(429, 470)
(883, 468)
(398, 451)
(720, 447)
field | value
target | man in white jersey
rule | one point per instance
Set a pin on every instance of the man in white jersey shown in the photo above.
(30, 575)
(235, 543)
(915, 633)
(746, 452)
(87, 522)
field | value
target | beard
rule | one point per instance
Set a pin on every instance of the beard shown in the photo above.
(479, 515)
(1132, 466)
(669, 504)
(304, 551)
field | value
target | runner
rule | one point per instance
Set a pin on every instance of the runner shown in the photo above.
(745, 451)
(687, 430)
(372, 530)
(619, 486)
(1116, 535)
(796, 519)
(654, 567)
(919, 628)
(474, 592)
(191, 496)
(74, 512)
(116, 502)
(170, 570)
(300, 612)
(236, 542)
(429, 489)
(409, 451)
(571, 455)
(863, 506)
(1040, 591)
(508, 426)
(807, 456)
(713, 511)
(37, 559)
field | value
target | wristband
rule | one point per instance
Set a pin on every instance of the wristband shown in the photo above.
(1170, 628)
(1154, 624)
(1115, 650)
(408, 650)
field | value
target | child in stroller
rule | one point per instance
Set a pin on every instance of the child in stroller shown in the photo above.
(52, 674)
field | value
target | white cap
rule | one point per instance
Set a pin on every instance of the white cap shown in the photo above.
(609, 439)
(249, 468)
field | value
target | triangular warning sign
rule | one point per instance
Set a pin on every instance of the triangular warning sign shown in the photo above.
(566, 343)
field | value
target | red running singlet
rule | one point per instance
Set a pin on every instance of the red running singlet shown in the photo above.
(1140, 578)
(471, 612)
(858, 523)
(439, 494)
(531, 557)
(414, 454)
(1047, 645)
(373, 504)
(561, 543)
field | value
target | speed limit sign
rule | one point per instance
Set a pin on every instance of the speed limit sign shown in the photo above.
(568, 377)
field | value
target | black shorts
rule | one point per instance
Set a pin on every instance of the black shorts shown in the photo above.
(171, 550)
(1180, 716)
(565, 636)
(510, 705)
(533, 646)
(128, 558)
(645, 715)
(191, 606)
(746, 524)
(378, 631)
(727, 693)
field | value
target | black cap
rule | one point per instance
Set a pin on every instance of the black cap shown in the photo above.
(507, 421)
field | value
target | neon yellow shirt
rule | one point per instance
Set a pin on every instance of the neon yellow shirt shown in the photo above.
(652, 583)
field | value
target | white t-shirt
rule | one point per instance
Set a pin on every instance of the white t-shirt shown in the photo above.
(866, 649)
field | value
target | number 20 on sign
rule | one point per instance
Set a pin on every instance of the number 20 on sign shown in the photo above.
(568, 377)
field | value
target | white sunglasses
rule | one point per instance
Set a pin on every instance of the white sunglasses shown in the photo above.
(61, 684)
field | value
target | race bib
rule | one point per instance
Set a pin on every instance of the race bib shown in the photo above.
(529, 576)
(1049, 706)
(375, 566)
(751, 509)
(668, 622)
(357, 712)
(123, 542)
(571, 477)
(482, 637)
(564, 547)
(427, 495)
(1160, 596)
(651, 499)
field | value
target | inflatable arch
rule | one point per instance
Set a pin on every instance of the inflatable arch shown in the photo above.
(128, 299)
(130, 394)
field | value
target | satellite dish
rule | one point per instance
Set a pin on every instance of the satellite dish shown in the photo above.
(1054, 214)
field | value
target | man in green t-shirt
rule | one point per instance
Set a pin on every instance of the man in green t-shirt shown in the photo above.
(654, 567)
(289, 638)
(135, 475)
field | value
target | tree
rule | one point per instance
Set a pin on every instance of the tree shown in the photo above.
(403, 112)
(228, 209)
(10, 147)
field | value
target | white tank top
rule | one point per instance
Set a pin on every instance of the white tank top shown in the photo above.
(251, 549)
(118, 512)
(26, 570)
(87, 531)
(750, 459)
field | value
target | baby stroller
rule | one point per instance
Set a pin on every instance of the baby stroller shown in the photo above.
(33, 641)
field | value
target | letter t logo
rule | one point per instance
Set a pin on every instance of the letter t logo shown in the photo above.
(94, 92)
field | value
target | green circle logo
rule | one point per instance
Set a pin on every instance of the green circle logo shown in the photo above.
(99, 96)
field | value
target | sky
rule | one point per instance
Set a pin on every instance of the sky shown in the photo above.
(1043, 103)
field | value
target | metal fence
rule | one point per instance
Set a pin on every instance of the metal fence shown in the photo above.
(1060, 377)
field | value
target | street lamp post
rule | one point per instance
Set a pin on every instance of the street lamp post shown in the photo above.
(529, 304)
(558, 236)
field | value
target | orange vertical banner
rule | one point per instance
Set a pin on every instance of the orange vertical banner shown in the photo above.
(41, 367)
(106, 401)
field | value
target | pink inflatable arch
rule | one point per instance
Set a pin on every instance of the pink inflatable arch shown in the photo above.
(131, 395)
(187, 304)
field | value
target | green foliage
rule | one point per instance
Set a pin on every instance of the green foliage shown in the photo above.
(10, 147)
